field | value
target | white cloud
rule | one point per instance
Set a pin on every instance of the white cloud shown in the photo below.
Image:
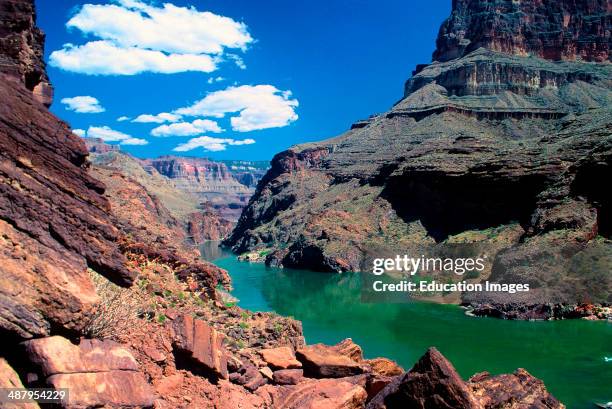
(106, 58)
(211, 144)
(198, 126)
(163, 39)
(79, 132)
(110, 135)
(123, 118)
(134, 141)
(157, 119)
(83, 104)
(259, 107)
(212, 80)
(237, 60)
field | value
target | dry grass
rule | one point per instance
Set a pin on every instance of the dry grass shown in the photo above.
(118, 310)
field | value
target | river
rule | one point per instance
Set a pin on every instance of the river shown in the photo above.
(567, 355)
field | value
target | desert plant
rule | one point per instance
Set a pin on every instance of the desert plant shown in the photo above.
(116, 312)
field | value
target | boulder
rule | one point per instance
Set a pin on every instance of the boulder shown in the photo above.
(280, 358)
(322, 361)
(433, 382)
(509, 389)
(199, 347)
(288, 376)
(97, 373)
(249, 377)
(57, 355)
(10, 379)
(349, 348)
(320, 394)
(112, 388)
(384, 367)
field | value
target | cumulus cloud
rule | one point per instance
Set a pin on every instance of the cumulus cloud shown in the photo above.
(83, 104)
(110, 135)
(134, 141)
(211, 144)
(259, 107)
(139, 37)
(123, 118)
(157, 119)
(199, 126)
(79, 132)
(106, 58)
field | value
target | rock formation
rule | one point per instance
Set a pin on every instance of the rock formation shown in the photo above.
(53, 216)
(554, 30)
(21, 49)
(97, 145)
(211, 182)
(495, 145)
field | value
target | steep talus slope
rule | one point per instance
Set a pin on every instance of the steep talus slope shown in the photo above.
(493, 148)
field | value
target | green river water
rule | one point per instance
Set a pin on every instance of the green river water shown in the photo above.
(567, 355)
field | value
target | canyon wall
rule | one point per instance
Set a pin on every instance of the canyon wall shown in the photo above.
(495, 146)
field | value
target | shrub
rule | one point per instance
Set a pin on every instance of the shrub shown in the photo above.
(116, 312)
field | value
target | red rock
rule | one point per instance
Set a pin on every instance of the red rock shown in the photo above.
(10, 379)
(113, 388)
(57, 355)
(97, 373)
(517, 390)
(384, 367)
(201, 344)
(349, 348)
(53, 215)
(320, 394)
(434, 383)
(288, 376)
(280, 358)
(21, 48)
(323, 361)
(235, 397)
(169, 384)
(266, 372)
(248, 376)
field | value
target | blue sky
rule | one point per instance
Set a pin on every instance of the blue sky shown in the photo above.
(268, 74)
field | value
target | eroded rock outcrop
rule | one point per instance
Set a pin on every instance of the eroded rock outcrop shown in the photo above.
(53, 216)
(554, 30)
(21, 48)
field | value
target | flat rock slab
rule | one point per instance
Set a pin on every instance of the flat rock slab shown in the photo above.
(97, 373)
(113, 388)
(288, 376)
(322, 361)
(280, 358)
(320, 394)
(57, 355)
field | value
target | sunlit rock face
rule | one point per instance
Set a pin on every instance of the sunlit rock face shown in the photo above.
(549, 29)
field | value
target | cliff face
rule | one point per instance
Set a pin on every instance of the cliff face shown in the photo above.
(53, 216)
(492, 149)
(21, 48)
(554, 30)
(192, 221)
(211, 182)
